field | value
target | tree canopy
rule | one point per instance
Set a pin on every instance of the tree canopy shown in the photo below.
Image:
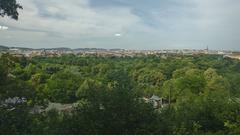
(73, 95)
(9, 8)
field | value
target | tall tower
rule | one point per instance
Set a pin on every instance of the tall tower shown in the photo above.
(206, 50)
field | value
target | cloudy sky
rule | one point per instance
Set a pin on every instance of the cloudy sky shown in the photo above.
(129, 24)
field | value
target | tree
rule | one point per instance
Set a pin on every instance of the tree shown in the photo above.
(216, 84)
(185, 82)
(62, 86)
(9, 8)
(90, 89)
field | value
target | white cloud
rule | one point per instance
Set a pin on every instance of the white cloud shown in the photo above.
(176, 24)
(200, 23)
(72, 18)
(3, 27)
(117, 35)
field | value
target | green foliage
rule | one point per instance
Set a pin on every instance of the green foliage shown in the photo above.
(62, 86)
(107, 95)
(9, 8)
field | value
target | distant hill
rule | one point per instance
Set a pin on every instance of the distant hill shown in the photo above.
(3, 48)
(59, 49)
(90, 49)
(21, 48)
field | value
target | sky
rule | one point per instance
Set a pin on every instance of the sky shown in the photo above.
(126, 24)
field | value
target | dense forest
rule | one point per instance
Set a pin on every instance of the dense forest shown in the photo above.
(201, 95)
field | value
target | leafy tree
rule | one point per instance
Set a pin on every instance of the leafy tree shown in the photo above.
(9, 8)
(89, 89)
(62, 86)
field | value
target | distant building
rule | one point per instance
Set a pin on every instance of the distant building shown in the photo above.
(11, 103)
(60, 107)
(156, 101)
(54, 106)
